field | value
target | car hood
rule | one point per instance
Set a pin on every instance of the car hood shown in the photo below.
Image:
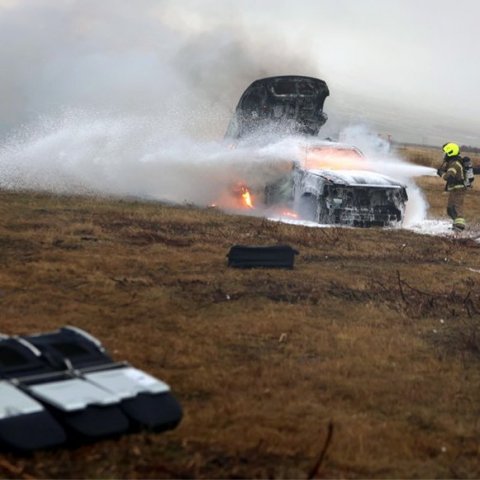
(280, 106)
(363, 178)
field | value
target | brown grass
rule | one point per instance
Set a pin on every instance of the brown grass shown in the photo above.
(375, 331)
(428, 156)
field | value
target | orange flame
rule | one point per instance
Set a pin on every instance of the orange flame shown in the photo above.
(247, 198)
(334, 159)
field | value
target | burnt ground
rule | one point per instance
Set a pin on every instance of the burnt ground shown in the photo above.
(374, 335)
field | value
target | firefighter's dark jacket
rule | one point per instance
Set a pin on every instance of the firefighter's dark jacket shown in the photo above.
(453, 173)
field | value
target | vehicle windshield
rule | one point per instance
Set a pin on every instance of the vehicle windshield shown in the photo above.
(334, 158)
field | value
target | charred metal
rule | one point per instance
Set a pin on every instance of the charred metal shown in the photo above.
(331, 183)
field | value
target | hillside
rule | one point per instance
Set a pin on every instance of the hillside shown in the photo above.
(375, 332)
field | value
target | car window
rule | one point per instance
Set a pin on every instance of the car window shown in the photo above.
(333, 158)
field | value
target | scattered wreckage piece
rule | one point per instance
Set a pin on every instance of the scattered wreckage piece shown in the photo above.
(276, 256)
(25, 424)
(145, 400)
(63, 386)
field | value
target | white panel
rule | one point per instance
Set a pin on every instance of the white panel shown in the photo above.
(73, 394)
(127, 382)
(14, 402)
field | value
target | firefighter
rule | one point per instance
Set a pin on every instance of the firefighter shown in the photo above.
(453, 173)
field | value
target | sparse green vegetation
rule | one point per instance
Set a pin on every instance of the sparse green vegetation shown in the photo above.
(375, 331)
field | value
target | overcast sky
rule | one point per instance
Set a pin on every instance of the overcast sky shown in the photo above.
(406, 67)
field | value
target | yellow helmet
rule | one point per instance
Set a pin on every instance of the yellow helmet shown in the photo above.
(451, 149)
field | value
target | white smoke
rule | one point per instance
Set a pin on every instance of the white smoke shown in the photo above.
(150, 58)
(134, 156)
(85, 152)
(383, 159)
(132, 99)
(381, 152)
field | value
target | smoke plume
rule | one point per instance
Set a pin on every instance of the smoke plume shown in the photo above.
(121, 98)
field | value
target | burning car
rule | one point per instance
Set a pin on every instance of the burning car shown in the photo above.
(329, 182)
(333, 183)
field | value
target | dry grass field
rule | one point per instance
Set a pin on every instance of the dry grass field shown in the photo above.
(373, 337)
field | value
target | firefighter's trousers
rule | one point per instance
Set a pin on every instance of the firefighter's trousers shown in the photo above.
(456, 199)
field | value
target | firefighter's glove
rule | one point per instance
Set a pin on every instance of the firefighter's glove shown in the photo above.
(440, 172)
